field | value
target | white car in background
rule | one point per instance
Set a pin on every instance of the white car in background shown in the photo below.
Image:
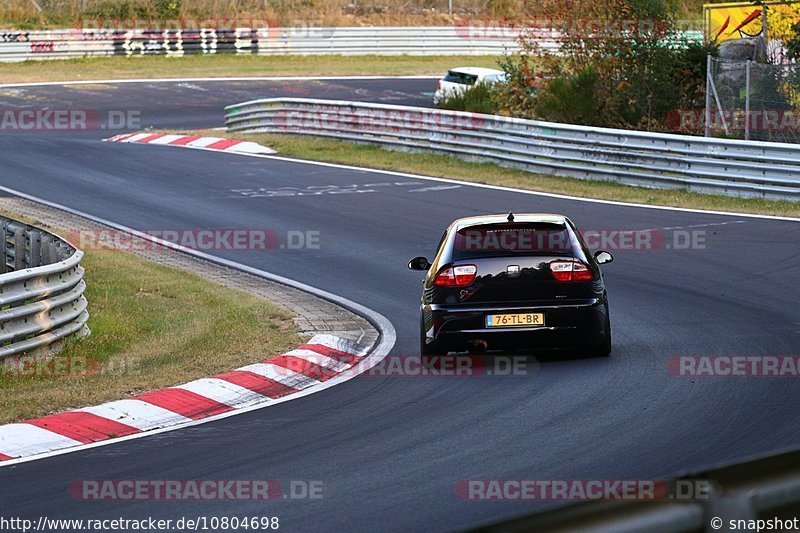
(463, 78)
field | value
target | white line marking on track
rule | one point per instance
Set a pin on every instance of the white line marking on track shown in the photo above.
(389, 172)
(222, 79)
(436, 188)
(524, 191)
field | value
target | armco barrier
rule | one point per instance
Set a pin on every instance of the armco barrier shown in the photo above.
(41, 289)
(718, 166)
(753, 492)
(64, 44)
(19, 45)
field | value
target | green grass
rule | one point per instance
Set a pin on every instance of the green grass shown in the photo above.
(365, 155)
(152, 327)
(230, 65)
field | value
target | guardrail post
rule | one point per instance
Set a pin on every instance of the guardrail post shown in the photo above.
(747, 102)
(708, 96)
(48, 252)
(4, 245)
(34, 248)
(19, 248)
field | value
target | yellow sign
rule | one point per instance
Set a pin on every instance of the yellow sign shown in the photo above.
(744, 19)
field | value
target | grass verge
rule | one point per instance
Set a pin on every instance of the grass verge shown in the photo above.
(152, 327)
(365, 155)
(219, 66)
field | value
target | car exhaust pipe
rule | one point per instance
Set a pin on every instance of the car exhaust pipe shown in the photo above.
(478, 346)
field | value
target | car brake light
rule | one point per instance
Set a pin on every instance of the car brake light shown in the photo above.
(457, 276)
(440, 85)
(570, 271)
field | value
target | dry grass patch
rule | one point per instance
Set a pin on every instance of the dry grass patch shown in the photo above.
(220, 66)
(152, 327)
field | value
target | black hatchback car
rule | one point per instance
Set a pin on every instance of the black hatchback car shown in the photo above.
(524, 281)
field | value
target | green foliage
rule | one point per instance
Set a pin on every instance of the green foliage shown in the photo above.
(629, 68)
(478, 99)
(135, 9)
(572, 100)
(168, 9)
(515, 97)
(793, 44)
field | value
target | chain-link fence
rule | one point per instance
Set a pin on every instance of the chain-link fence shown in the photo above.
(748, 100)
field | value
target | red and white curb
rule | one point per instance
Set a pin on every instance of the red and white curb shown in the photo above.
(305, 369)
(217, 144)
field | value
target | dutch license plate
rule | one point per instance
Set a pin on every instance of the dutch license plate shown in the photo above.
(515, 319)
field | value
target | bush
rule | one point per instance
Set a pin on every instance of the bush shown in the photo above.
(627, 69)
(572, 100)
(477, 99)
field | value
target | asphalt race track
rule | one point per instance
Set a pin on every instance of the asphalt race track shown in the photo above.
(390, 450)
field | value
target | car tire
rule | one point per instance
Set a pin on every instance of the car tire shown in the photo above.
(437, 347)
(603, 348)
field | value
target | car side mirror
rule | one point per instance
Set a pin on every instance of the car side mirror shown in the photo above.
(419, 263)
(602, 257)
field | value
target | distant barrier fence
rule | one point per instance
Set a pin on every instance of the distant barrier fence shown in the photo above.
(62, 44)
(41, 289)
(306, 40)
(758, 495)
(719, 166)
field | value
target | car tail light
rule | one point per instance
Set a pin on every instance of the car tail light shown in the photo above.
(570, 271)
(440, 85)
(456, 276)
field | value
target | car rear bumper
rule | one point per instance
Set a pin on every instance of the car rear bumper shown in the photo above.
(567, 325)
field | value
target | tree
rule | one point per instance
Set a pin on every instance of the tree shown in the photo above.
(620, 63)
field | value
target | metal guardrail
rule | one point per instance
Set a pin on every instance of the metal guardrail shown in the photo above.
(717, 166)
(70, 43)
(41, 289)
(17, 45)
(763, 489)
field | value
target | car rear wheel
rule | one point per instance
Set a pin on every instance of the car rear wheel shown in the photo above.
(603, 348)
(437, 347)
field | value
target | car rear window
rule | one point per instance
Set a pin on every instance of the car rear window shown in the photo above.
(515, 238)
(495, 78)
(460, 77)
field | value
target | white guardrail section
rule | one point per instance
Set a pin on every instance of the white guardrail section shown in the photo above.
(41, 289)
(751, 492)
(469, 39)
(718, 166)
